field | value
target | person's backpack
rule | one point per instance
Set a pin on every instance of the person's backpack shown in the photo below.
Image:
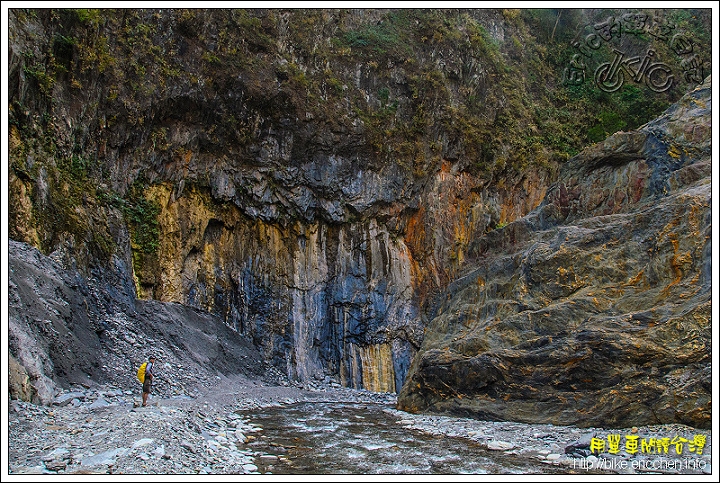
(141, 372)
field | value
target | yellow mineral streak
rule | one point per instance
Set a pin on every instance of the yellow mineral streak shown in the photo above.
(211, 260)
(21, 203)
(182, 223)
(376, 366)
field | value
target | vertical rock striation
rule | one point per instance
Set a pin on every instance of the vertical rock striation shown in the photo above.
(317, 179)
(319, 299)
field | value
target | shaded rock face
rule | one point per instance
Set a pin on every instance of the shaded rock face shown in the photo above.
(595, 308)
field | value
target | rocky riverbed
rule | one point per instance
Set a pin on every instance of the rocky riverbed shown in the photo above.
(211, 430)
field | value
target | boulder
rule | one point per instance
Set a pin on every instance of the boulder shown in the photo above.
(595, 308)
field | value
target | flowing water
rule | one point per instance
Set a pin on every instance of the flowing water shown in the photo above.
(360, 438)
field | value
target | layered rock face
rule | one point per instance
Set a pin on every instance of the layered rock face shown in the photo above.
(316, 179)
(321, 299)
(242, 165)
(595, 308)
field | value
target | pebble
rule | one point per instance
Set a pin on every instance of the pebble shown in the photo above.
(67, 398)
(500, 445)
(55, 465)
(99, 403)
(203, 433)
(559, 445)
(142, 442)
(159, 451)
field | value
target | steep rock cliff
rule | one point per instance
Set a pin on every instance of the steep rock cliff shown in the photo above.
(309, 185)
(595, 308)
(315, 178)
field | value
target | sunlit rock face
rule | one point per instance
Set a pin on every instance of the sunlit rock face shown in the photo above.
(595, 308)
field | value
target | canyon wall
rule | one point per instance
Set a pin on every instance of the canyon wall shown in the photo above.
(314, 192)
(595, 308)
(325, 181)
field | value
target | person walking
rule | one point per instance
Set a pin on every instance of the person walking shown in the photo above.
(147, 383)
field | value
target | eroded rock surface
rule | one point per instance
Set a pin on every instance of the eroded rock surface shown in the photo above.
(304, 195)
(595, 308)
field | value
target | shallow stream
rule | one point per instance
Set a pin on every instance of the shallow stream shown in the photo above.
(359, 438)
